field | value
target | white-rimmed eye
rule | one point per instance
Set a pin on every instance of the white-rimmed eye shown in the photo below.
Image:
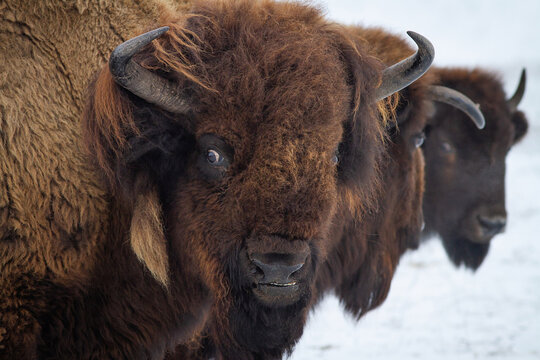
(213, 157)
(418, 139)
(335, 157)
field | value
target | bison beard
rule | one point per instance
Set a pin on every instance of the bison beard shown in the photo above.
(265, 331)
(462, 251)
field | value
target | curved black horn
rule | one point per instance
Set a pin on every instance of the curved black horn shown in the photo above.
(458, 100)
(514, 101)
(405, 72)
(142, 82)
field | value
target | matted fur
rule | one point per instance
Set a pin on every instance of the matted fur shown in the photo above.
(53, 207)
(282, 87)
(465, 167)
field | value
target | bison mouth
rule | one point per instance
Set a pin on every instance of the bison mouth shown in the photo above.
(277, 294)
(278, 274)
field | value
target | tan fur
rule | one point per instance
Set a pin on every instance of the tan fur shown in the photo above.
(147, 237)
(53, 206)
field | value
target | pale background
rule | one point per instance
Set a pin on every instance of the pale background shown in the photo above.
(435, 311)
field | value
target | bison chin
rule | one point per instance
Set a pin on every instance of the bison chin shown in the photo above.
(463, 251)
(267, 331)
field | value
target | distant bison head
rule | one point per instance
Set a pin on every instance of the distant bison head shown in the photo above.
(360, 265)
(464, 200)
(231, 141)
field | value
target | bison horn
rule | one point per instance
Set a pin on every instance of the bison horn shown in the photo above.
(514, 101)
(142, 82)
(405, 72)
(458, 100)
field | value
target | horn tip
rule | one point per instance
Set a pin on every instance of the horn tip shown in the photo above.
(121, 55)
(162, 30)
(479, 119)
(422, 42)
(481, 124)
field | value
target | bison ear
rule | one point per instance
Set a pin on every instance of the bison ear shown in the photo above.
(520, 125)
(147, 236)
(132, 145)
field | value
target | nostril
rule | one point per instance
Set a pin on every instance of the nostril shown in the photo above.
(299, 267)
(276, 273)
(492, 224)
(256, 270)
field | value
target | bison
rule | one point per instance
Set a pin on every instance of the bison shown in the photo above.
(229, 148)
(360, 267)
(464, 201)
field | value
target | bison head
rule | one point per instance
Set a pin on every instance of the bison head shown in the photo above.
(227, 140)
(465, 167)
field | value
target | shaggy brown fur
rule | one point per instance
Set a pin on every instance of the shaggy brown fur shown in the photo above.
(364, 250)
(361, 265)
(465, 167)
(282, 88)
(279, 88)
(53, 209)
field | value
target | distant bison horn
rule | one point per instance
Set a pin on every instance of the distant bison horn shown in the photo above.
(405, 72)
(141, 82)
(458, 100)
(514, 101)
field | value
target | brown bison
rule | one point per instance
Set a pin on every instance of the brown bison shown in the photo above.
(360, 267)
(465, 168)
(362, 247)
(229, 147)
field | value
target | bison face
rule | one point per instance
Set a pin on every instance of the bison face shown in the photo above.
(257, 204)
(252, 209)
(465, 168)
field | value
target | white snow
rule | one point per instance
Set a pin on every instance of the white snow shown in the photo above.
(435, 311)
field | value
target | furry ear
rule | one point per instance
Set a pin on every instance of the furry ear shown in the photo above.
(133, 144)
(520, 125)
(147, 236)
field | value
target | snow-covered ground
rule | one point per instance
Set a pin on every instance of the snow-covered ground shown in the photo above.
(435, 311)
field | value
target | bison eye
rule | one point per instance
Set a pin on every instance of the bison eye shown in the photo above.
(214, 157)
(446, 147)
(335, 158)
(418, 139)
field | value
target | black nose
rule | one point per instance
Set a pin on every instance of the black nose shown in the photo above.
(492, 225)
(277, 268)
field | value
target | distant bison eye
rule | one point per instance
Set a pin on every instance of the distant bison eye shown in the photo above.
(446, 147)
(335, 157)
(418, 139)
(214, 157)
